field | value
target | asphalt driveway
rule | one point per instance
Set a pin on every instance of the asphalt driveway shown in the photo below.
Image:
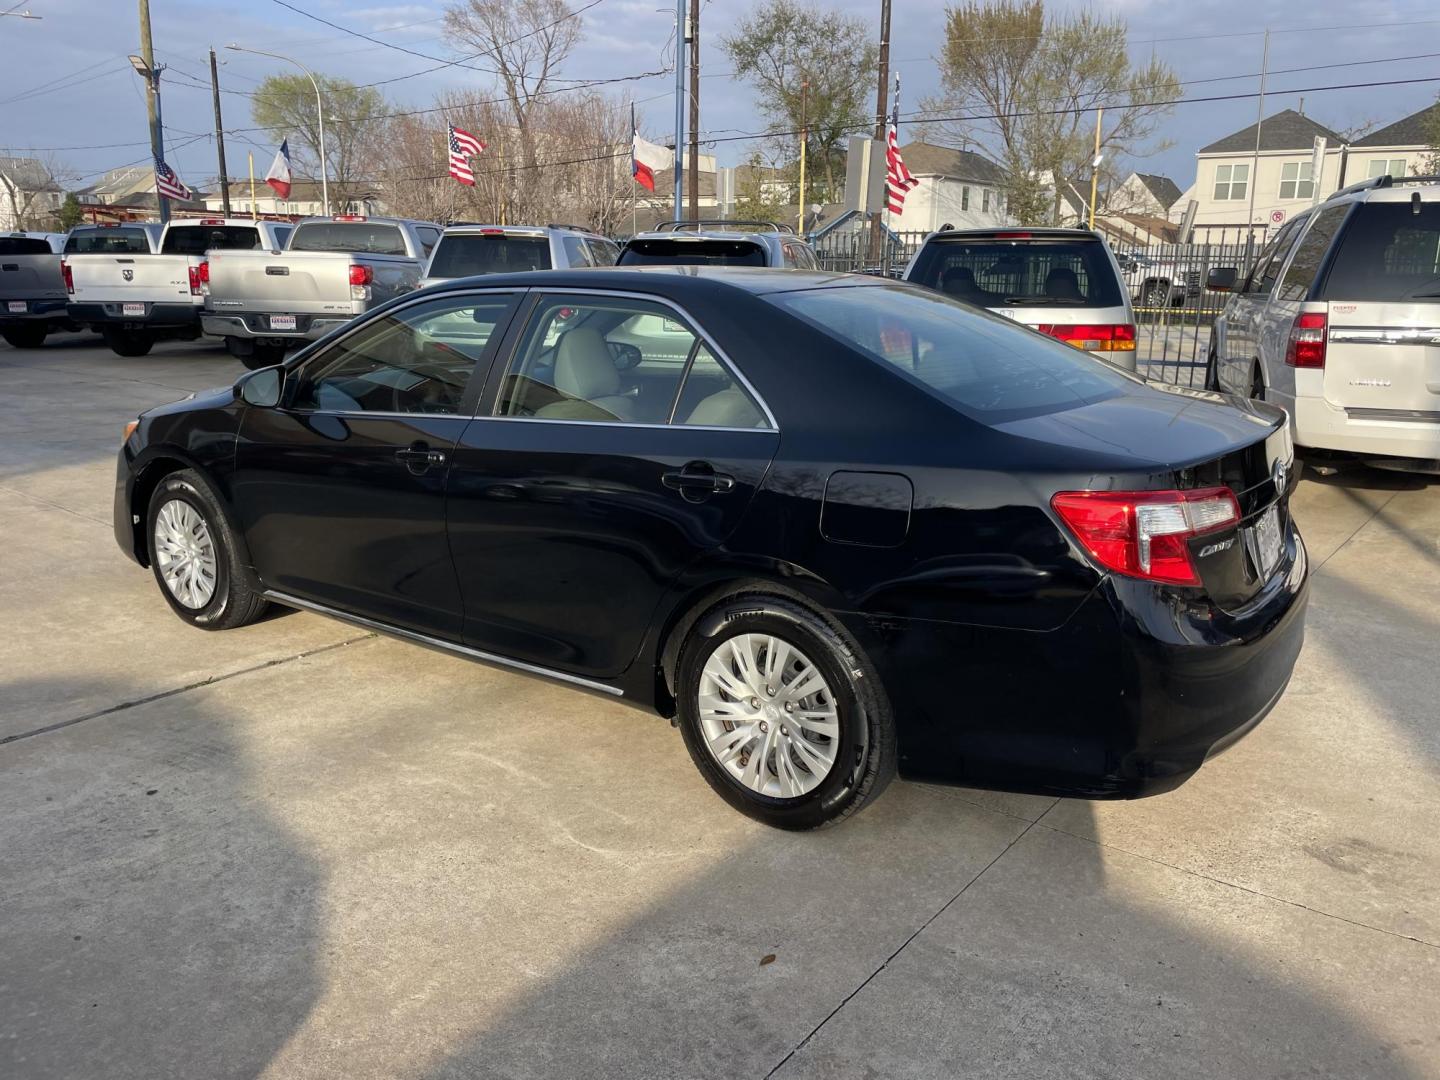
(300, 850)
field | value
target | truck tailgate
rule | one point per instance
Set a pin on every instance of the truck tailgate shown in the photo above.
(30, 277)
(299, 282)
(119, 278)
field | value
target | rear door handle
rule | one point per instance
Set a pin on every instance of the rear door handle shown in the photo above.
(698, 478)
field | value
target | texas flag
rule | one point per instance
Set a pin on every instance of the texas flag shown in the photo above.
(647, 159)
(279, 175)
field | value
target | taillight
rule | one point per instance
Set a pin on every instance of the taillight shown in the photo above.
(1307, 340)
(361, 275)
(200, 279)
(1146, 534)
(1112, 337)
(68, 275)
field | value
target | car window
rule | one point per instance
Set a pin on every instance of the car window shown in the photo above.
(24, 245)
(282, 234)
(428, 239)
(198, 239)
(417, 359)
(1265, 276)
(1020, 273)
(108, 241)
(577, 252)
(713, 397)
(1388, 251)
(1300, 274)
(612, 361)
(984, 365)
(602, 252)
(692, 253)
(370, 237)
(464, 254)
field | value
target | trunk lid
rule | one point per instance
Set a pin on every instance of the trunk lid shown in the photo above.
(1382, 359)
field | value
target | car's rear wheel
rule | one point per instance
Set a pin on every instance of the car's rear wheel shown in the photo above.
(193, 555)
(1156, 295)
(25, 337)
(128, 342)
(782, 714)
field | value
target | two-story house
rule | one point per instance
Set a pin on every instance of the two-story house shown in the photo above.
(29, 195)
(1398, 149)
(958, 187)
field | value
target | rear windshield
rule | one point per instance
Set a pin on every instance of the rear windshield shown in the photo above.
(363, 236)
(464, 254)
(198, 239)
(1020, 273)
(692, 253)
(107, 241)
(989, 367)
(24, 245)
(1388, 252)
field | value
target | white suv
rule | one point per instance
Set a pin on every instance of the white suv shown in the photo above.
(1339, 323)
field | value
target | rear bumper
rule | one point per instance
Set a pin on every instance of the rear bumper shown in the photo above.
(34, 311)
(256, 326)
(155, 315)
(1323, 426)
(1129, 698)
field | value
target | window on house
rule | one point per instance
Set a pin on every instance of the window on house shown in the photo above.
(964, 198)
(985, 200)
(1390, 167)
(1296, 181)
(1231, 182)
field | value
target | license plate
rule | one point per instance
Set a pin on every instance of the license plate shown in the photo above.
(282, 322)
(1263, 542)
(132, 309)
(17, 306)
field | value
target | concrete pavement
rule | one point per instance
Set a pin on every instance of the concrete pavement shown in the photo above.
(299, 850)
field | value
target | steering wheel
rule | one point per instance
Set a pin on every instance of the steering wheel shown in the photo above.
(623, 355)
(435, 375)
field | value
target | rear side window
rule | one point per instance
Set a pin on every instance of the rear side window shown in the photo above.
(282, 234)
(23, 245)
(1311, 252)
(1388, 252)
(692, 253)
(986, 366)
(1020, 273)
(108, 241)
(577, 252)
(198, 239)
(464, 254)
(603, 252)
(362, 236)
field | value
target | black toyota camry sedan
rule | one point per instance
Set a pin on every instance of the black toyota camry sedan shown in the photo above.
(836, 527)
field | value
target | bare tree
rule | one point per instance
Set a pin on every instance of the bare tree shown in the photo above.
(32, 188)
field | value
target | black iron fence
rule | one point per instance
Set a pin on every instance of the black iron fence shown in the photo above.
(1173, 309)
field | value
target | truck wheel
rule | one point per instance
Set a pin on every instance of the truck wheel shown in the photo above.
(25, 337)
(262, 356)
(128, 342)
(1156, 295)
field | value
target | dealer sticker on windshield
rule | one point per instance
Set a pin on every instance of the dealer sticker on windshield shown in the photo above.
(1262, 541)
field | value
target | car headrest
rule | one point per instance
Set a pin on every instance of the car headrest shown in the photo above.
(1062, 281)
(583, 367)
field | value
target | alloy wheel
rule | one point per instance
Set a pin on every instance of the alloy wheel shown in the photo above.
(768, 716)
(185, 553)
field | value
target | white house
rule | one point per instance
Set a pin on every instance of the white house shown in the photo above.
(29, 195)
(957, 187)
(1398, 149)
(305, 200)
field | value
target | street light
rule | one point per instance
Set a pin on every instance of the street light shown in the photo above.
(319, 112)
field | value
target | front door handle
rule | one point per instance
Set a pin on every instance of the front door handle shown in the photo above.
(697, 480)
(418, 457)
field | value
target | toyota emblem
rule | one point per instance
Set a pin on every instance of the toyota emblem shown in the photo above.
(1280, 474)
(128, 275)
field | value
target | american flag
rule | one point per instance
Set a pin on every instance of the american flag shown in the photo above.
(463, 146)
(898, 179)
(167, 183)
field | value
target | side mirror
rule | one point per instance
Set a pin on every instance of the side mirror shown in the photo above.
(262, 388)
(1221, 279)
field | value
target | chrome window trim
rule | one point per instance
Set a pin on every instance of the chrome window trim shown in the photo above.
(440, 643)
(690, 321)
(613, 424)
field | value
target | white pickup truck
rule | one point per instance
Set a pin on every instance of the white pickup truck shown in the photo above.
(263, 303)
(32, 292)
(135, 297)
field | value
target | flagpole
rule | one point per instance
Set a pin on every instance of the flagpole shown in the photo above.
(634, 201)
(254, 210)
(681, 19)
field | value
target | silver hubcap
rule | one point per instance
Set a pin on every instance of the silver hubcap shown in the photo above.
(768, 716)
(185, 554)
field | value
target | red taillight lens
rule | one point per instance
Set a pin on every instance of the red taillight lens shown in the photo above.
(1146, 534)
(1307, 340)
(200, 279)
(1113, 337)
(68, 275)
(361, 275)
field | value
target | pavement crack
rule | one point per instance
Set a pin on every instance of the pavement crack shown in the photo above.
(1358, 529)
(174, 691)
(52, 504)
(1242, 888)
(918, 931)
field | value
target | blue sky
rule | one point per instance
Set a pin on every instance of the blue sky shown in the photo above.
(94, 111)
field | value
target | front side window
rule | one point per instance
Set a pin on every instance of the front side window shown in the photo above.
(1384, 167)
(1231, 182)
(619, 361)
(417, 359)
(1296, 181)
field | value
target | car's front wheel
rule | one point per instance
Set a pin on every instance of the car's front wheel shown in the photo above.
(193, 555)
(783, 715)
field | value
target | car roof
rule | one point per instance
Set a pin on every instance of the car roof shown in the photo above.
(463, 228)
(1016, 232)
(1387, 189)
(713, 234)
(675, 281)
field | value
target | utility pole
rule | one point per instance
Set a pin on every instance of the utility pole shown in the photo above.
(695, 110)
(1095, 167)
(882, 86)
(152, 103)
(804, 142)
(680, 36)
(219, 137)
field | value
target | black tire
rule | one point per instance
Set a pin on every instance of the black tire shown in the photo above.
(235, 600)
(263, 356)
(128, 342)
(1156, 295)
(1257, 384)
(25, 337)
(865, 756)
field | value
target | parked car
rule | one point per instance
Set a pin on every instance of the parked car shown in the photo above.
(719, 243)
(134, 292)
(1064, 283)
(332, 269)
(853, 527)
(32, 291)
(466, 250)
(1158, 283)
(1338, 322)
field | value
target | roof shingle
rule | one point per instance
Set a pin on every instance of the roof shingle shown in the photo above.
(926, 158)
(1407, 131)
(1287, 130)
